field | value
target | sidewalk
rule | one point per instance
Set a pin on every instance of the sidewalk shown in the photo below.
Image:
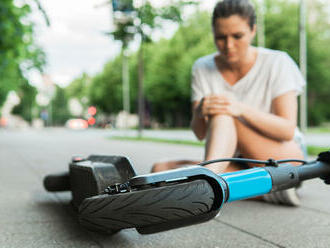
(31, 217)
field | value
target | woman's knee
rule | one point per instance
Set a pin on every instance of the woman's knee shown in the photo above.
(224, 124)
(223, 119)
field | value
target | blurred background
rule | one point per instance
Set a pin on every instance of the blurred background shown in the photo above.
(127, 64)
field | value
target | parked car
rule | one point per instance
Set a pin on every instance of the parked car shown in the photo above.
(76, 124)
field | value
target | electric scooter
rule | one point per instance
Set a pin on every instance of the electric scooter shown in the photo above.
(109, 196)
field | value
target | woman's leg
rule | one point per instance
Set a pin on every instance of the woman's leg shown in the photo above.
(224, 135)
(221, 142)
(254, 145)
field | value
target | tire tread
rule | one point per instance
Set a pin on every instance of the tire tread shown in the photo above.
(148, 206)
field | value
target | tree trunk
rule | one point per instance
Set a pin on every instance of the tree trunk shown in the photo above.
(140, 89)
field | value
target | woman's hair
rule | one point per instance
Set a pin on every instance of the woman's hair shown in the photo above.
(227, 8)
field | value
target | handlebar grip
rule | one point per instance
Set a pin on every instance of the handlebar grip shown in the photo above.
(57, 182)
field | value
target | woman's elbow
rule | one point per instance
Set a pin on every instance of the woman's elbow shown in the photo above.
(288, 135)
(200, 135)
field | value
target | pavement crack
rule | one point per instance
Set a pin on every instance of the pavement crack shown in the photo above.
(249, 233)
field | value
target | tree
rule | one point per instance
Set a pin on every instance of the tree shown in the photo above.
(106, 88)
(79, 89)
(27, 94)
(281, 26)
(168, 74)
(59, 104)
(17, 47)
(142, 24)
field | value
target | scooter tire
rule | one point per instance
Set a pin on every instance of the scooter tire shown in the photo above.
(145, 207)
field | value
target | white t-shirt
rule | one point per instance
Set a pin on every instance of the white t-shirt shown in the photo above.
(273, 74)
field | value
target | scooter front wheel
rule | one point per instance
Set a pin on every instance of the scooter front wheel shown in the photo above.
(145, 207)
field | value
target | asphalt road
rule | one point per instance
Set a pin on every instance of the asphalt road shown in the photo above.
(32, 217)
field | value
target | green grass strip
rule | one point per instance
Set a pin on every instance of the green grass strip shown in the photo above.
(315, 150)
(316, 130)
(159, 140)
(312, 150)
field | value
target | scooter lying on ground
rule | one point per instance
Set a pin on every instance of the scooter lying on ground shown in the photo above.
(109, 196)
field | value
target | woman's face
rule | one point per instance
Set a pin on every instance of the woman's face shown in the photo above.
(233, 36)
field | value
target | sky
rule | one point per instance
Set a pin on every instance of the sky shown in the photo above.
(76, 42)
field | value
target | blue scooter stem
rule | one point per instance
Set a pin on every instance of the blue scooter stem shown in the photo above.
(259, 181)
(247, 183)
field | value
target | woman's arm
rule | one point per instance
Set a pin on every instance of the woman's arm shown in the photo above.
(278, 125)
(202, 110)
(198, 122)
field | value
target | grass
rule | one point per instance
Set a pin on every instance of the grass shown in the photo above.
(312, 150)
(159, 140)
(322, 129)
(315, 150)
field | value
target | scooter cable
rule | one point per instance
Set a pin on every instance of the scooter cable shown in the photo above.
(269, 162)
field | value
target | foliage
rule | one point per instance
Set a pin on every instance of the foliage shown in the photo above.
(143, 19)
(79, 89)
(17, 47)
(167, 85)
(167, 79)
(27, 94)
(106, 88)
(59, 107)
(281, 22)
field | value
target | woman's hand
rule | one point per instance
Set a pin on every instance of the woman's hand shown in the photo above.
(219, 105)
